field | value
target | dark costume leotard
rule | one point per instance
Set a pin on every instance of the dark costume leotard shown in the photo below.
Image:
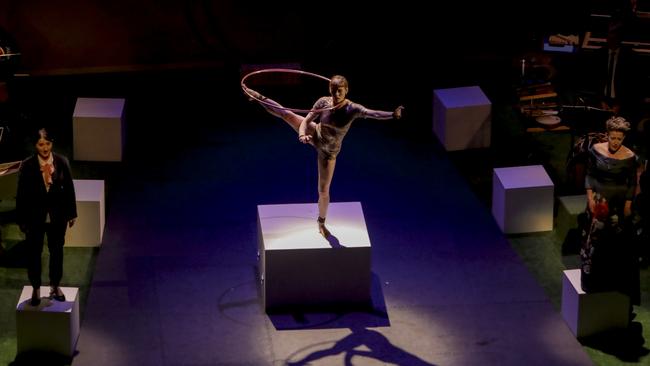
(333, 125)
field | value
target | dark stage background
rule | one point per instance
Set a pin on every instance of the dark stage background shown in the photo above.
(80, 36)
(199, 157)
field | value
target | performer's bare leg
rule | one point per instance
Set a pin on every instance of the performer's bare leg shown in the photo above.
(294, 120)
(325, 174)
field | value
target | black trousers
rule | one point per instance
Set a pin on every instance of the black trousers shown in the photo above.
(55, 240)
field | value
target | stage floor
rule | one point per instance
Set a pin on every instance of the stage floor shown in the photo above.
(176, 278)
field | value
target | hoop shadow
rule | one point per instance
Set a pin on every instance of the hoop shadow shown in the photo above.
(378, 347)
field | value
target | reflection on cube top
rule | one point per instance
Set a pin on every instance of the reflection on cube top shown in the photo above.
(99, 107)
(462, 97)
(523, 177)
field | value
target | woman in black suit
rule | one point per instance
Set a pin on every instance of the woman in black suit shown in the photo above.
(45, 204)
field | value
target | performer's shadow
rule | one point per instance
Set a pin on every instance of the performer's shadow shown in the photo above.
(362, 342)
(334, 241)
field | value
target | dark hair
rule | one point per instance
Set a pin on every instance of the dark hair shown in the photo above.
(41, 134)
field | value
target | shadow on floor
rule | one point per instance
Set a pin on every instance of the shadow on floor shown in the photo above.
(31, 358)
(627, 345)
(361, 342)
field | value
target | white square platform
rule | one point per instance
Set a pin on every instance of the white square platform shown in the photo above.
(8, 184)
(88, 229)
(301, 268)
(522, 199)
(462, 118)
(569, 207)
(98, 129)
(52, 326)
(588, 314)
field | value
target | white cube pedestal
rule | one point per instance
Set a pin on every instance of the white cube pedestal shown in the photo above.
(98, 129)
(522, 199)
(301, 268)
(88, 229)
(569, 207)
(8, 185)
(52, 326)
(462, 118)
(588, 314)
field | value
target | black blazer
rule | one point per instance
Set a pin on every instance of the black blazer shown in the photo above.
(33, 201)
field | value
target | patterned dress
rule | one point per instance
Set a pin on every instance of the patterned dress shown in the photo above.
(333, 125)
(608, 260)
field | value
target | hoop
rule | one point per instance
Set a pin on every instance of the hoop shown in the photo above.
(289, 71)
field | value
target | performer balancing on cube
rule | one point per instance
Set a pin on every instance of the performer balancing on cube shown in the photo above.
(324, 127)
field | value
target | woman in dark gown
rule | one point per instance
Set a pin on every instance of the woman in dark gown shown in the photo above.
(608, 258)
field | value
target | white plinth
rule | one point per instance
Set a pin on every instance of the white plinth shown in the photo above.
(522, 199)
(588, 314)
(301, 268)
(462, 118)
(88, 229)
(8, 185)
(569, 207)
(98, 129)
(52, 326)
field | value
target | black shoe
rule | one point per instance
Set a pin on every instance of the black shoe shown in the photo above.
(36, 298)
(57, 294)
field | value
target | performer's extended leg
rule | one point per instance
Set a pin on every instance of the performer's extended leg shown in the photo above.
(294, 120)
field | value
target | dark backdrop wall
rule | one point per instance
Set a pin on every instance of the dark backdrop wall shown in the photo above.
(76, 36)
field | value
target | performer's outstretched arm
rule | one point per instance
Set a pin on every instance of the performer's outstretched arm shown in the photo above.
(383, 115)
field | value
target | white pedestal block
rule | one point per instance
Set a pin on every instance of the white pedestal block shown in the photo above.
(522, 199)
(301, 268)
(462, 118)
(8, 185)
(569, 208)
(98, 129)
(88, 229)
(52, 326)
(588, 314)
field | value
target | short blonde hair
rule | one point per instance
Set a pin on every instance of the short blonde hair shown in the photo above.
(339, 80)
(619, 124)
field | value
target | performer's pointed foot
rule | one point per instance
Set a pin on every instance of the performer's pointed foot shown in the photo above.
(254, 95)
(322, 229)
